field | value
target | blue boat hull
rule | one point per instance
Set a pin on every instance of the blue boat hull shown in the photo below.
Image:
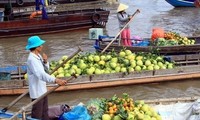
(9, 115)
(181, 3)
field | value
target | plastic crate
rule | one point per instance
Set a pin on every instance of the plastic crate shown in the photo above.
(95, 32)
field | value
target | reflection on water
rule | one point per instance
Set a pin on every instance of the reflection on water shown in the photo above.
(154, 13)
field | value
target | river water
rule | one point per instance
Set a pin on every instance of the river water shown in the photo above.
(153, 13)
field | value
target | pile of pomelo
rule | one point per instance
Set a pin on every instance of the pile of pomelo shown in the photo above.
(121, 108)
(112, 62)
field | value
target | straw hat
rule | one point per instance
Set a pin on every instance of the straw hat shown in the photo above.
(33, 42)
(122, 7)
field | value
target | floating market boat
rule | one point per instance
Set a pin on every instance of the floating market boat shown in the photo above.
(25, 3)
(183, 108)
(100, 44)
(181, 3)
(188, 68)
(53, 18)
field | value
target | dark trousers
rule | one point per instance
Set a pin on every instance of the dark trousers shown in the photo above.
(40, 109)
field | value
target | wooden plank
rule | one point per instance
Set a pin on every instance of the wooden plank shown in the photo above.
(177, 70)
(111, 82)
(11, 84)
(166, 101)
(146, 73)
(106, 76)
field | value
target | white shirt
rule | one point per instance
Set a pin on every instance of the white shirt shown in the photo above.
(37, 77)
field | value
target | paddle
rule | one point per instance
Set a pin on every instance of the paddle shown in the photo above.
(23, 109)
(137, 11)
(26, 92)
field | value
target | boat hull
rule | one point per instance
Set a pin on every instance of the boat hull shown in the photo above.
(111, 80)
(162, 50)
(181, 3)
(62, 21)
(27, 3)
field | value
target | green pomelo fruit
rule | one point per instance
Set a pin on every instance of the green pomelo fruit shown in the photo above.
(130, 69)
(156, 67)
(106, 117)
(98, 71)
(122, 54)
(117, 69)
(115, 60)
(117, 117)
(138, 68)
(102, 57)
(150, 67)
(82, 65)
(133, 64)
(147, 62)
(145, 107)
(101, 62)
(96, 58)
(139, 62)
(160, 64)
(139, 57)
(123, 69)
(128, 52)
(113, 65)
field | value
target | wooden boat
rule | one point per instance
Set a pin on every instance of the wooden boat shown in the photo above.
(164, 106)
(63, 17)
(187, 68)
(181, 3)
(163, 50)
(25, 3)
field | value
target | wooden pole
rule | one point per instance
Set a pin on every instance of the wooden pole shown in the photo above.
(25, 93)
(36, 100)
(14, 102)
(137, 11)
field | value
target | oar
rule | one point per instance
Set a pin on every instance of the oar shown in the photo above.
(137, 11)
(26, 92)
(13, 102)
(38, 99)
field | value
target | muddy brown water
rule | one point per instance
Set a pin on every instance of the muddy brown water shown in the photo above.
(153, 13)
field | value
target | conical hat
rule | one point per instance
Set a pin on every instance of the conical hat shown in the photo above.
(122, 7)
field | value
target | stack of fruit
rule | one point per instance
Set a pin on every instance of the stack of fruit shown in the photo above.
(121, 108)
(173, 38)
(97, 63)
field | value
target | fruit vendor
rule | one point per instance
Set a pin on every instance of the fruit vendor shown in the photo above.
(37, 77)
(123, 19)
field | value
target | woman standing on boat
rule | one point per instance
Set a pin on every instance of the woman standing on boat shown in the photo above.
(123, 19)
(37, 77)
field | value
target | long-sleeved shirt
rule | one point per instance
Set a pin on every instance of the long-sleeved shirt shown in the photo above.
(37, 77)
(123, 18)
